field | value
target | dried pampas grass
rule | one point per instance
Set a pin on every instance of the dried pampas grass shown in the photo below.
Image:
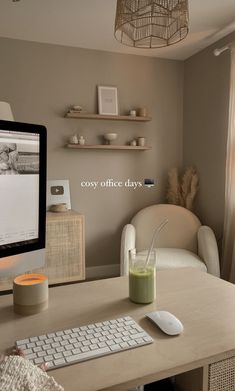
(182, 191)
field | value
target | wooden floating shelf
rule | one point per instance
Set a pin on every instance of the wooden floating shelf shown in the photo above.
(110, 147)
(108, 117)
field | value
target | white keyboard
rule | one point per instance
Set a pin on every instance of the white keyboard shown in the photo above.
(71, 346)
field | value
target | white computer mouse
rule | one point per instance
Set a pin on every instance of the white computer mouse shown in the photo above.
(166, 321)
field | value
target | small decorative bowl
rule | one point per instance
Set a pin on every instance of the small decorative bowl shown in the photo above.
(110, 137)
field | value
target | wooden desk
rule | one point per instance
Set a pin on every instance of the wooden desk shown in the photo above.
(205, 305)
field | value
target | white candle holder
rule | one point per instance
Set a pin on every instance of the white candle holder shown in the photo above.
(30, 293)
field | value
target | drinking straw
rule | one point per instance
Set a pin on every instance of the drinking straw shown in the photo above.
(157, 230)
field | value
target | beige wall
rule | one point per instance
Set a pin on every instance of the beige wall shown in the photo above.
(206, 99)
(41, 81)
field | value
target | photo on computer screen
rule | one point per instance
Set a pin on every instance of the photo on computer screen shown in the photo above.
(19, 154)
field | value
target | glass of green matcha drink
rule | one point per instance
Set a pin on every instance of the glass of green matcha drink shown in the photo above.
(142, 277)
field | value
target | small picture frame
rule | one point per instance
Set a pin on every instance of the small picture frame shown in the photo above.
(107, 100)
(58, 192)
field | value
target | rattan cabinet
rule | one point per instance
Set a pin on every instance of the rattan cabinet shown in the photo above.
(217, 376)
(65, 248)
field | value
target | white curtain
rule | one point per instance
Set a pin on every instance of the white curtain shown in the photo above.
(228, 256)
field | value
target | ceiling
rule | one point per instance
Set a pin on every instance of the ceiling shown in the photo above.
(89, 24)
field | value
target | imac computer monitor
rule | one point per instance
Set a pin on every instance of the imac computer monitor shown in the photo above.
(22, 197)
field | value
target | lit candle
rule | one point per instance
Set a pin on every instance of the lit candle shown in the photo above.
(30, 293)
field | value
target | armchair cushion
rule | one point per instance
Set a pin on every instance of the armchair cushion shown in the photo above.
(171, 258)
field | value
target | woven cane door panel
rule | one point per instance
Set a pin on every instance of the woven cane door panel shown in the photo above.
(222, 375)
(64, 247)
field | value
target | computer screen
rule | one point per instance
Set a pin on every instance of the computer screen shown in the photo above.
(22, 196)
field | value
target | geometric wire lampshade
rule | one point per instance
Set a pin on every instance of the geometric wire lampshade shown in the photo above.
(151, 23)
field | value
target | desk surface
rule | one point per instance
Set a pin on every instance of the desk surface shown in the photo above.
(204, 304)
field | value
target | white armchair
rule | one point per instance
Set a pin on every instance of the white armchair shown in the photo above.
(183, 242)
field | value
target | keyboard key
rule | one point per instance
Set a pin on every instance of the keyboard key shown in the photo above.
(76, 351)
(48, 358)
(60, 361)
(132, 343)
(58, 355)
(69, 347)
(67, 353)
(139, 340)
(55, 344)
(51, 351)
(79, 344)
(37, 349)
(148, 339)
(110, 343)
(46, 347)
(85, 349)
(33, 339)
(40, 343)
(139, 335)
(22, 342)
(102, 344)
(31, 345)
(41, 354)
(115, 347)
(48, 340)
(59, 333)
(42, 337)
(38, 360)
(87, 355)
(124, 345)
(58, 339)
(60, 349)
(93, 347)
(85, 343)
(51, 335)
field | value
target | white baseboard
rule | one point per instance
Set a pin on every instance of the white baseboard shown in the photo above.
(103, 271)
